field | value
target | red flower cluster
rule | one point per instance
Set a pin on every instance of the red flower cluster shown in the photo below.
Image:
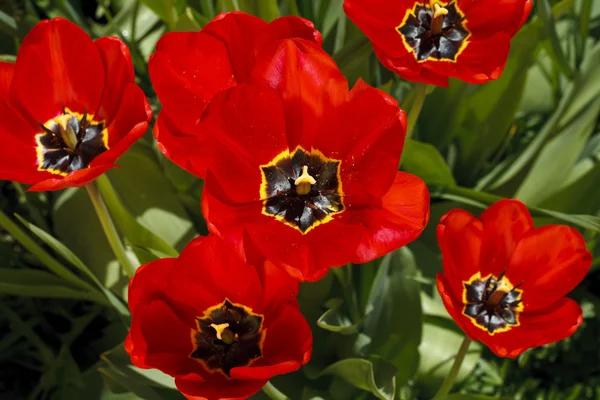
(299, 170)
(429, 41)
(221, 327)
(69, 107)
(504, 281)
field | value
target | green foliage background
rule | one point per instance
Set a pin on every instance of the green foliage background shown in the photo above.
(380, 329)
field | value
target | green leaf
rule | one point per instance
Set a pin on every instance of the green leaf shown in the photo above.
(377, 377)
(461, 396)
(425, 161)
(335, 320)
(393, 318)
(264, 9)
(544, 12)
(167, 10)
(35, 283)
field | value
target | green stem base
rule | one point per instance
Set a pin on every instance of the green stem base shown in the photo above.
(451, 377)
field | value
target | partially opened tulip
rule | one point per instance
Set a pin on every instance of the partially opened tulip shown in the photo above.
(220, 327)
(69, 107)
(504, 281)
(430, 41)
(189, 68)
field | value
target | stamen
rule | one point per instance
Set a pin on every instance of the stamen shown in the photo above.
(304, 182)
(437, 20)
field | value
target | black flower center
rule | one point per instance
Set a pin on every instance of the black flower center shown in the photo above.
(69, 143)
(434, 32)
(302, 189)
(229, 336)
(493, 303)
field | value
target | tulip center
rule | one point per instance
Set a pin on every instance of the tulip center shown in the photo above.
(434, 32)
(70, 142)
(302, 189)
(228, 336)
(492, 303)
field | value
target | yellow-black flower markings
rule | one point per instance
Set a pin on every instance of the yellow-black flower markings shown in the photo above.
(229, 335)
(493, 304)
(69, 142)
(434, 32)
(302, 189)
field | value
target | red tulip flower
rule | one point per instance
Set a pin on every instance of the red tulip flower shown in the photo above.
(69, 107)
(504, 281)
(430, 41)
(189, 68)
(220, 327)
(304, 171)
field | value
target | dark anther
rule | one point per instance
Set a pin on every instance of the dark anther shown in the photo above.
(434, 32)
(230, 336)
(492, 306)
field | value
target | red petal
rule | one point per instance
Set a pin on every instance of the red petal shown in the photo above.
(238, 32)
(557, 322)
(75, 179)
(504, 224)
(207, 272)
(459, 236)
(487, 17)
(187, 70)
(400, 220)
(218, 390)
(549, 262)
(58, 66)
(7, 71)
(158, 339)
(278, 288)
(149, 282)
(242, 129)
(287, 346)
(290, 27)
(306, 78)
(119, 72)
(129, 124)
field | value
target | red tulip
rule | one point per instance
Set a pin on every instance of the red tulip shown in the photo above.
(434, 40)
(221, 327)
(189, 68)
(69, 107)
(504, 281)
(303, 170)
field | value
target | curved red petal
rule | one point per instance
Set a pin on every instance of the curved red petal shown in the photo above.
(118, 73)
(459, 235)
(7, 71)
(402, 217)
(287, 346)
(129, 124)
(307, 80)
(218, 390)
(242, 129)
(290, 27)
(159, 339)
(187, 70)
(505, 17)
(207, 272)
(74, 179)
(549, 262)
(278, 288)
(557, 322)
(149, 282)
(504, 224)
(57, 66)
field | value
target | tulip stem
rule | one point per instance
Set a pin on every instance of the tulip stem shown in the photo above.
(451, 377)
(109, 229)
(420, 90)
(273, 393)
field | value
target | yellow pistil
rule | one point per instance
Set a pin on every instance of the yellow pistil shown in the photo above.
(304, 182)
(437, 20)
(66, 131)
(223, 332)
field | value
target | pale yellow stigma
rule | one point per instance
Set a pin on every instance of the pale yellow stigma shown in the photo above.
(219, 328)
(438, 11)
(304, 182)
(66, 131)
